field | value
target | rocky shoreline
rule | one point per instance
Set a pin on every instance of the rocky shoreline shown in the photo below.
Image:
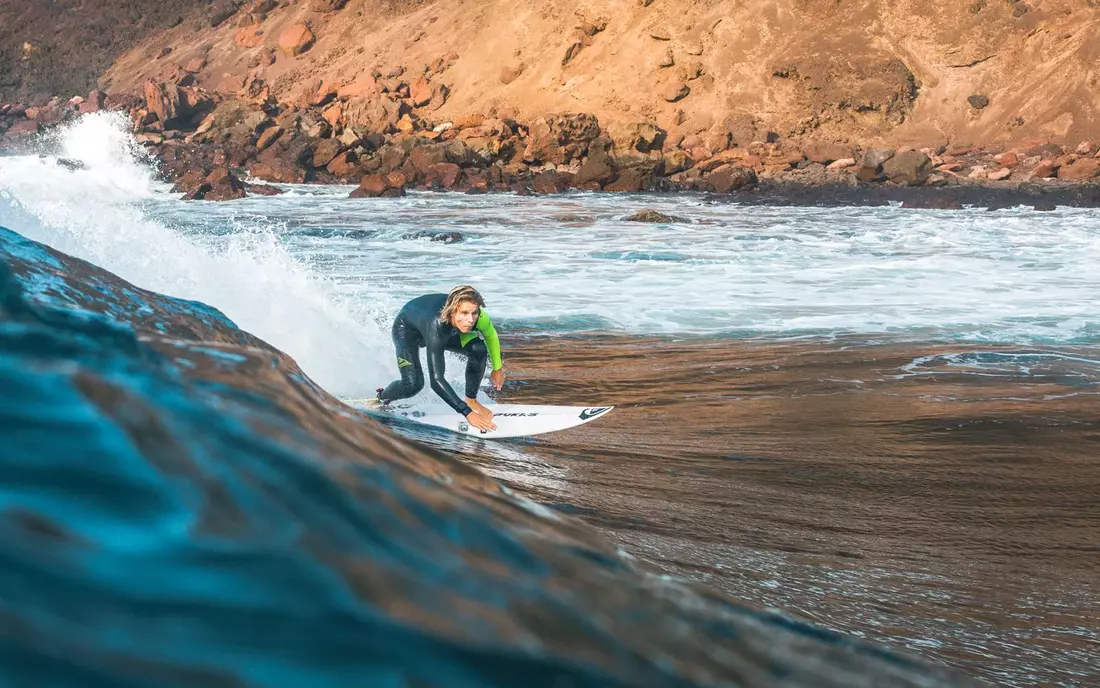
(380, 133)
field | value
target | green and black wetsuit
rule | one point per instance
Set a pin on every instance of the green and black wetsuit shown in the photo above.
(418, 325)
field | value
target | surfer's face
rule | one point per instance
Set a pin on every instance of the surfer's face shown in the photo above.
(465, 316)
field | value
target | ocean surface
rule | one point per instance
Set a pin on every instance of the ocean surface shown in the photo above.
(881, 422)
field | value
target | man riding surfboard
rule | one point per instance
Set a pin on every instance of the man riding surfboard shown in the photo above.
(446, 322)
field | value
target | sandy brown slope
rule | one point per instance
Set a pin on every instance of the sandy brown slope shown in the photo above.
(61, 47)
(867, 71)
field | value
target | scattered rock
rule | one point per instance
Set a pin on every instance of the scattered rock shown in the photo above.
(548, 183)
(444, 175)
(268, 137)
(598, 168)
(1044, 150)
(910, 168)
(262, 190)
(729, 178)
(23, 127)
(654, 216)
(378, 185)
(295, 40)
(978, 102)
(1002, 173)
(1085, 168)
(441, 237)
(870, 167)
(219, 185)
(440, 92)
(642, 137)
(560, 139)
(572, 51)
(508, 74)
(825, 153)
(1044, 170)
(94, 102)
(675, 92)
(677, 161)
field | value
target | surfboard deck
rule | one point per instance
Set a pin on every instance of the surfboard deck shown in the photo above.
(512, 420)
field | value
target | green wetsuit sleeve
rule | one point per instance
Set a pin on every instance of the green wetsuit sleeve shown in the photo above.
(492, 342)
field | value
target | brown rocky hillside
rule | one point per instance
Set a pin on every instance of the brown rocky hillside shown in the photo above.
(898, 72)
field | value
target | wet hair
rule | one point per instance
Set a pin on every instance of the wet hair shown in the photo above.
(459, 295)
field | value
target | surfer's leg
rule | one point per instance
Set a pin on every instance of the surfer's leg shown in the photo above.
(406, 342)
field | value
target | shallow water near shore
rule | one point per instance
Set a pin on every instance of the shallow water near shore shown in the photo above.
(878, 419)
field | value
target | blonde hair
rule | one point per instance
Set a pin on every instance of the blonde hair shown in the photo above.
(460, 294)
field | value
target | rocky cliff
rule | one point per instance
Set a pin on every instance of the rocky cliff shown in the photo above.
(775, 85)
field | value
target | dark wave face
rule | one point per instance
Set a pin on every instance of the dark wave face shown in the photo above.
(181, 506)
(939, 497)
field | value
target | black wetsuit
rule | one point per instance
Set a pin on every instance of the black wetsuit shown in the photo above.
(418, 325)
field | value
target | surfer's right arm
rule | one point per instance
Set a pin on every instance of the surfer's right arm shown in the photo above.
(438, 381)
(436, 368)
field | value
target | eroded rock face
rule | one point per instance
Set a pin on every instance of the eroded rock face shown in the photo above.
(561, 139)
(875, 93)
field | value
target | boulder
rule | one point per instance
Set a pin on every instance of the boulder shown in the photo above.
(548, 183)
(978, 102)
(675, 91)
(870, 166)
(295, 40)
(729, 178)
(510, 73)
(561, 138)
(1085, 168)
(219, 185)
(909, 168)
(640, 136)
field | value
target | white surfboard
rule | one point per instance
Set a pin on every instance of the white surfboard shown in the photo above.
(512, 420)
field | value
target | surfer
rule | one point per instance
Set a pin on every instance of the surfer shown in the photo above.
(446, 322)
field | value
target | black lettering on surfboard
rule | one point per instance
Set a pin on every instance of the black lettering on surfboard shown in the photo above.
(593, 412)
(515, 414)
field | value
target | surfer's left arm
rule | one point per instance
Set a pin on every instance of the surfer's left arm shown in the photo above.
(492, 343)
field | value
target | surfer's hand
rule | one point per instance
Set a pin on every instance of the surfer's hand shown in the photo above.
(497, 378)
(481, 422)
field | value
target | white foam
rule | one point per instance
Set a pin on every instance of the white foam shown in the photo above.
(320, 275)
(110, 213)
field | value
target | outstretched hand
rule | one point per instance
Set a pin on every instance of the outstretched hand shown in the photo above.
(497, 378)
(481, 422)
